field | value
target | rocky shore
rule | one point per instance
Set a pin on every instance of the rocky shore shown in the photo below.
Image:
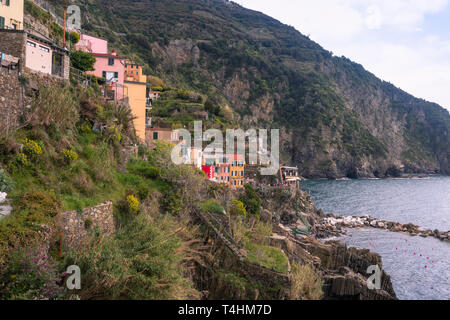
(332, 225)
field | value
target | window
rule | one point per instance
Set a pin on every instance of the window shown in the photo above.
(31, 44)
(14, 26)
(104, 74)
(110, 61)
(116, 75)
(7, 3)
(2, 23)
(155, 135)
(44, 49)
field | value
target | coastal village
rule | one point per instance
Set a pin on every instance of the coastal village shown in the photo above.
(125, 83)
(98, 182)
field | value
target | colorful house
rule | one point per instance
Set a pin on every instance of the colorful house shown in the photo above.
(111, 67)
(223, 171)
(107, 65)
(237, 169)
(92, 44)
(290, 176)
(11, 14)
(161, 134)
(36, 53)
(135, 84)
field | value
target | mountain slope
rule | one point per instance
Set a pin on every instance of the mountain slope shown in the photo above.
(336, 118)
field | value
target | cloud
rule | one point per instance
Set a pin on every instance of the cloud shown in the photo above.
(374, 18)
(388, 37)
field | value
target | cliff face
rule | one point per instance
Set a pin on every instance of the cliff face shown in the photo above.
(225, 276)
(336, 118)
(344, 269)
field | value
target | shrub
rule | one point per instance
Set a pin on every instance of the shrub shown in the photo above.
(40, 202)
(83, 61)
(251, 201)
(54, 107)
(133, 204)
(74, 37)
(261, 231)
(142, 191)
(5, 181)
(238, 209)
(143, 168)
(32, 148)
(85, 127)
(212, 108)
(69, 155)
(267, 256)
(23, 159)
(87, 224)
(172, 202)
(306, 283)
(31, 274)
(141, 261)
(183, 94)
(212, 206)
(114, 134)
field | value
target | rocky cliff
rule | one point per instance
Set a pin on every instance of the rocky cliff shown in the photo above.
(224, 275)
(336, 118)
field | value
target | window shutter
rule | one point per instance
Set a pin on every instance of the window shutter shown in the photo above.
(116, 75)
(7, 2)
(2, 23)
(104, 74)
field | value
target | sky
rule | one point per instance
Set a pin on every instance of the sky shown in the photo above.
(405, 42)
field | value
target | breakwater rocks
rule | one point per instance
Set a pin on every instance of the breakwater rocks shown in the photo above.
(333, 225)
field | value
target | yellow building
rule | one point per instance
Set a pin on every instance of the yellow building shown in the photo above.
(237, 170)
(11, 14)
(136, 84)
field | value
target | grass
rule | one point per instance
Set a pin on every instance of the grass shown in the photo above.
(267, 256)
(212, 206)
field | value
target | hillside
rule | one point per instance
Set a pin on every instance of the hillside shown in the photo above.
(337, 119)
(140, 227)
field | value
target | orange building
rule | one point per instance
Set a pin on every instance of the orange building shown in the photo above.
(136, 84)
(161, 134)
(237, 170)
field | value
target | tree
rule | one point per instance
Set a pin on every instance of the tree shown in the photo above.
(83, 61)
(211, 107)
(251, 200)
(74, 37)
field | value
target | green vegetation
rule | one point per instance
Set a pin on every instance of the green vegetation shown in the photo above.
(141, 261)
(81, 60)
(306, 283)
(244, 62)
(251, 201)
(5, 181)
(212, 206)
(269, 257)
(238, 208)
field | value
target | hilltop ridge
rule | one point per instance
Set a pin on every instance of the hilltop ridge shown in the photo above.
(336, 118)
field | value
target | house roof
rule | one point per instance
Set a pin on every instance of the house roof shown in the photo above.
(107, 55)
(47, 42)
(158, 129)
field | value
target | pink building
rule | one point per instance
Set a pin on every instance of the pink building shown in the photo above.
(92, 44)
(107, 65)
(112, 68)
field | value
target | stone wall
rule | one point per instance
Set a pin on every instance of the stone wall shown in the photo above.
(13, 42)
(76, 226)
(11, 105)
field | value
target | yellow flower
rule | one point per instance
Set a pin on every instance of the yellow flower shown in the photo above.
(13, 276)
